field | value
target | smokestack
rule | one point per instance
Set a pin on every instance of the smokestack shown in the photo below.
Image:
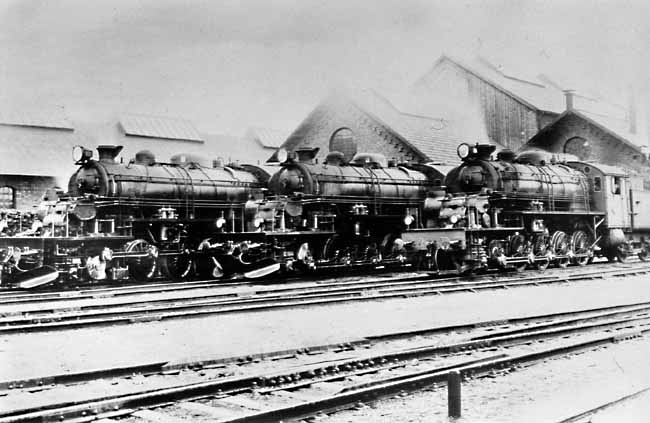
(107, 153)
(568, 95)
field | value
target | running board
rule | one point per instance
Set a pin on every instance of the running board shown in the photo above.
(36, 277)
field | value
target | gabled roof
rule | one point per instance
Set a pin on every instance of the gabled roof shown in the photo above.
(531, 91)
(267, 137)
(433, 138)
(159, 127)
(623, 138)
(534, 89)
(54, 118)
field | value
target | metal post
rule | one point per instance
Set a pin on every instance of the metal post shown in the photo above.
(453, 394)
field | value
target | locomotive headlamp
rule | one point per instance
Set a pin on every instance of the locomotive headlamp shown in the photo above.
(283, 155)
(258, 222)
(81, 154)
(220, 222)
(453, 218)
(463, 150)
(408, 220)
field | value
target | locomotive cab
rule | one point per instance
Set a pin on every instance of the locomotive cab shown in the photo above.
(620, 196)
(609, 189)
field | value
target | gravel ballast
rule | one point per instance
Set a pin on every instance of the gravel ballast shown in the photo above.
(37, 354)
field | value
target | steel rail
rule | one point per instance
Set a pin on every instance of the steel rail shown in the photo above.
(596, 410)
(335, 287)
(90, 291)
(86, 410)
(416, 382)
(77, 319)
(570, 317)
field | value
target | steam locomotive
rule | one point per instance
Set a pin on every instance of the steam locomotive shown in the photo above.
(535, 209)
(184, 219)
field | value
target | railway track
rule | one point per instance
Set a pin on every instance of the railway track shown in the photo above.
(310, 380)
(22, 319)
(90, 291)
(587, 416)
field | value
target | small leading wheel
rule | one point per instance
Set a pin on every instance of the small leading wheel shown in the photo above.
(643, 254)
(445, 261)
(334, 250)
(143, 266)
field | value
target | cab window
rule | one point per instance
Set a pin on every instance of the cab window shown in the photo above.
(598, 185)
(616, 185)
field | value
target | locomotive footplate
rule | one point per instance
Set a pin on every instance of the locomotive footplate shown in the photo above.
(33, 261)
(422, 239)
(257, 254)
(553, 213)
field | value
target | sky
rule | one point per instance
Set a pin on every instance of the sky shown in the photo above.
(228, 65)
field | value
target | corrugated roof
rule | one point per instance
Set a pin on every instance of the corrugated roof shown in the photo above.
(267, 137)
(159, 127)
(54, 118)
(236, 149)
(436, 138)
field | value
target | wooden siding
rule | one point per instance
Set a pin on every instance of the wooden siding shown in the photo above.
(507, 120)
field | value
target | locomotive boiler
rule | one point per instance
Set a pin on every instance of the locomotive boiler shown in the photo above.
(148, 181)
(516, 183)
(366, 176)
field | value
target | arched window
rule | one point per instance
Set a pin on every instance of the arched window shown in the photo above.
(343, 141)
(7, 198)
(579, 147)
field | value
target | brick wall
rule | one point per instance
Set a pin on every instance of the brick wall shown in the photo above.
(28, 190)
(371, 135)
(603, 146)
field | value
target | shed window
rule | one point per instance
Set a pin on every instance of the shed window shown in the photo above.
(7, 198)
(343, 140)
(598, 185)
(578, 147)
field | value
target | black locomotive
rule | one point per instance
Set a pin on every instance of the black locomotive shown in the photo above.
(134, 220)
(184, 219)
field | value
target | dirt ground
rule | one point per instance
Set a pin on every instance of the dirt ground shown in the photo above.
(40, 354)
(550, 391)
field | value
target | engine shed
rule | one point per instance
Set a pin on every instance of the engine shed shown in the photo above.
(579, 134)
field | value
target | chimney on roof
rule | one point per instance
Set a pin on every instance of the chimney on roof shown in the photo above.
(568, 95)
(632, 111)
